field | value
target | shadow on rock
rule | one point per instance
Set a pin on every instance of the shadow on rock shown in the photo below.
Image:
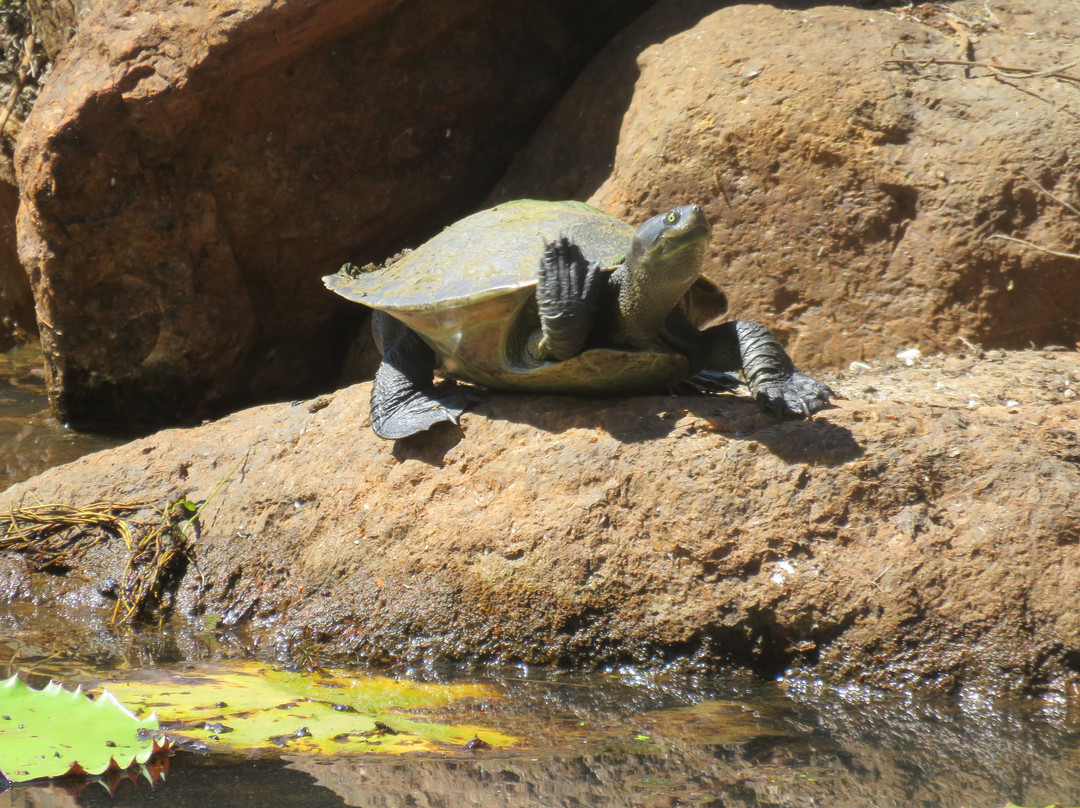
(640, 419)
(815, 441)
(429, 447)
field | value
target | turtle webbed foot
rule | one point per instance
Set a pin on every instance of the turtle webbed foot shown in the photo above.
(795, 395)
(567, 291)
(404, 398)
(420, 410)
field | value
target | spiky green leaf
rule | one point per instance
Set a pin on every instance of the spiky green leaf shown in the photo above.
(52, 732)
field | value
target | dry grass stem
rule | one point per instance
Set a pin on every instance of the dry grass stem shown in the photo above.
(993, 69)
(54, 536)
(1036, 246)
(1038, 186)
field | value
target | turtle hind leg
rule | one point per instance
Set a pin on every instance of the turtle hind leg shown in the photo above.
(399, 408)
(567, 291)
(404, 397)
(769, 372)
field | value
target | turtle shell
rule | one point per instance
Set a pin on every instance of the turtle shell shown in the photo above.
(469, 292)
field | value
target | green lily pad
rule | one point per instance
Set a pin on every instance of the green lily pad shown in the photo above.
(53, 732)
(253, 707)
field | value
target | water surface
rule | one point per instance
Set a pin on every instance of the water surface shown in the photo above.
(31, 440)
(628, 739)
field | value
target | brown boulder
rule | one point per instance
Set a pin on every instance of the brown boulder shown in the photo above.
(192, 169)
(56, 21)
(23, 66)
(16, 301)
(857, 189)
(925, 532)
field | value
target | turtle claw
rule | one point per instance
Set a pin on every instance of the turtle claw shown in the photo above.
(707, 382)
(796, 396)
(567, 291)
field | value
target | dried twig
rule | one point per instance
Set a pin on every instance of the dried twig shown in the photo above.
(1057, 72)
(1005, 75)
(1035, 246)
(25, 69)
(1034, 94)
(1051, 194)
(967, 51)
(55, 535)
(1064, 203)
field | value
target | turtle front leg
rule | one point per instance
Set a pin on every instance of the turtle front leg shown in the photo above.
(404, 397)
(770, 374)
(567, 291)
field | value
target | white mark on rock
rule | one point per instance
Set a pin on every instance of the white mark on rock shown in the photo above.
(909, 356)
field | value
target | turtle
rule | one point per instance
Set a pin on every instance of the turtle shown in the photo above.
(559, 297)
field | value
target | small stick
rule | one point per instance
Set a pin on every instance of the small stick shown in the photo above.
(1036, 246)
(1004, 74)
(1014, 72)
(967, 51)
(1056, 71)
(1052, 195)
(879, 576)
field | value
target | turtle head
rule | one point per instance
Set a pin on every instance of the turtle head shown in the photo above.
(668, 249)
(663, 262)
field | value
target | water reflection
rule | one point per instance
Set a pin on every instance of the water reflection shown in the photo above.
(30, 439)
(734, 745)
(193, 782)
(653, 741)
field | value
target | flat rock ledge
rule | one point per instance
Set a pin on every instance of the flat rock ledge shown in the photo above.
(924, 533)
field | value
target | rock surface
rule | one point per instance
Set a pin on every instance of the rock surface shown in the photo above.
(56, 21)
(856, 189)
(23, 66)
(192, 169)
(923, 533)
(16, 301)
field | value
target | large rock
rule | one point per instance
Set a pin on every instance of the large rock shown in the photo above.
(855, 187)
(16, 302)
(56, 21)
(925, 532)
(23, 66)
(191, 169)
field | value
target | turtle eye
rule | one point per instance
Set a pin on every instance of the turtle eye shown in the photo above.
(672, 217)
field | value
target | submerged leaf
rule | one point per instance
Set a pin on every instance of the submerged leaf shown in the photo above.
(248, 706)
(53, 732)
(714, 722)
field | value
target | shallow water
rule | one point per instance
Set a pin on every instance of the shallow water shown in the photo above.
(590, 740)
(31, 440)
(654, 740)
